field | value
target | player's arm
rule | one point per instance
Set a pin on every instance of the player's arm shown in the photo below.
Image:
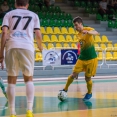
(3, 40)
(39, 39)
(38, 33)
(93, 32)
(4, 36)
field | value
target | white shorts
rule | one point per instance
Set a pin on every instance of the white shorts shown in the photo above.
(19, 59)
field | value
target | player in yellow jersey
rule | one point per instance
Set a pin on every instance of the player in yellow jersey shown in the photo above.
(87, 60)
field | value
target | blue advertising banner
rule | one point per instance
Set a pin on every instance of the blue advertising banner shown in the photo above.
(69, 56)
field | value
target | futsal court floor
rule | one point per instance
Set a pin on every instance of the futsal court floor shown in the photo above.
(46, 103)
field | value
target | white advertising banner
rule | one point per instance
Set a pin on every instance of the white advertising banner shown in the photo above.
(51, 57)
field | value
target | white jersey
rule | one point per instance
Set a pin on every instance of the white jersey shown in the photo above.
(21, 24)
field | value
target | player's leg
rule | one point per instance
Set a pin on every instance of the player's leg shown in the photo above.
(89, 88)
(90, 71)
(70, 80)
(89, 84)
(3, 87)
(12, 71)
(76, 70)
(29, 94)
(27, 66)
(11, 94)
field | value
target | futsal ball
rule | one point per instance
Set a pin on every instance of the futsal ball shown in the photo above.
(62, 95)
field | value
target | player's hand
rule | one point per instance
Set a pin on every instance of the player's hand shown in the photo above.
(41, 48)
(84, 31)
(1, 59)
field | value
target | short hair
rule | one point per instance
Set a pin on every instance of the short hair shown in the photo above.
(21, 2)
(77, 19)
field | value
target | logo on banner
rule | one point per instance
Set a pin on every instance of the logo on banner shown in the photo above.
(51, 57)
(69, 56)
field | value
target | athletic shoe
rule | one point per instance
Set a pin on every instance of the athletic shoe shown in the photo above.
(63, 90)
(13, 116)
(29, 114)
(87, 97)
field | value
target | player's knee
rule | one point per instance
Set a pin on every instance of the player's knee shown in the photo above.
(87, 79)
(12, 79)
(74, 75)
(28, 78)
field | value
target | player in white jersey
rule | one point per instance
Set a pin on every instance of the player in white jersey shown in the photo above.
(17, 39)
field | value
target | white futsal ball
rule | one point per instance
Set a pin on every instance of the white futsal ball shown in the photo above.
(62, 95)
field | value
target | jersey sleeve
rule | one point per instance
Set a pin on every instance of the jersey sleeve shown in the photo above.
(5, 22)
(88, 28)
(37, 23)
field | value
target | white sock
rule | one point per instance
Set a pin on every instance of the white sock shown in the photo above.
(30, 95)
(11, 98)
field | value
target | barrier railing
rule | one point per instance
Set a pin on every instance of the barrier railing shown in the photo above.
(104, 62)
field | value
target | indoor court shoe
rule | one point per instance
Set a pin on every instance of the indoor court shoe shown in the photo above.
(87, 97)
(63, 90)
(13, 116)
(29, 114)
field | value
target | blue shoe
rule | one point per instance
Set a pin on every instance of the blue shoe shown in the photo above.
(87, 97)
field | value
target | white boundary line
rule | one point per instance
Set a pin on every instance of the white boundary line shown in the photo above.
(65, 78)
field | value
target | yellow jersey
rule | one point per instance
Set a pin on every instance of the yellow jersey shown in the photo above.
(87, 45)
